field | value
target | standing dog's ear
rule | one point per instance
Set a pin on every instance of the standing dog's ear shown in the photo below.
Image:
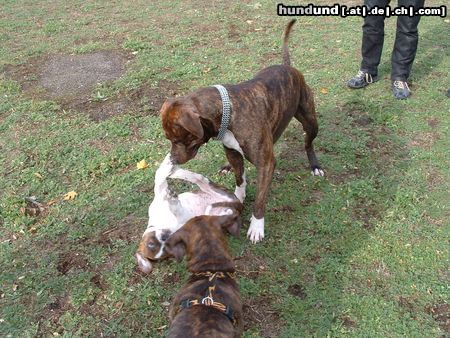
(176, 245)
(231, 223)
(190, 120)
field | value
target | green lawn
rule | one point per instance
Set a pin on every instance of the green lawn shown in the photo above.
(362, 252)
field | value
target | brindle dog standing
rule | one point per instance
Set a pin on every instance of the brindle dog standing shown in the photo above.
(261, 110)
(203, 240)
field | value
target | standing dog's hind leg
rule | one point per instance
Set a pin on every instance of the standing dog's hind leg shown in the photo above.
(306, 115)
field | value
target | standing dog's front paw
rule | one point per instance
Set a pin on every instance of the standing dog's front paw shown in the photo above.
(256, 230)
(317, 171)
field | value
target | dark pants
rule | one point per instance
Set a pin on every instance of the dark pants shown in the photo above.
(405, 45)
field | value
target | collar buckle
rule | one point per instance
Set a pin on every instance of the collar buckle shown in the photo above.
(208, 301)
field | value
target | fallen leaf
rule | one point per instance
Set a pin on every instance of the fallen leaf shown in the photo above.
(324, 90)
(38, 175)
(70, 195)
(249, 22)
(142, 164)
(14, 288)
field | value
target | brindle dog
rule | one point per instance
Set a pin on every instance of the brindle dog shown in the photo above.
(261, 110)
(209, 305)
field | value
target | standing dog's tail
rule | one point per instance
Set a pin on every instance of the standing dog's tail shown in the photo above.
(286, 58)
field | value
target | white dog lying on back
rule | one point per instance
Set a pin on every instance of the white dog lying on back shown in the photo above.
(168, 212)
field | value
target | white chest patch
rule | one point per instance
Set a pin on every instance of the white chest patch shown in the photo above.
(230, 141)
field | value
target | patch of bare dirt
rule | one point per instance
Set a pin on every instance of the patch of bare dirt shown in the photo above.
(358, 112)
(71, 80)
(67, 77)
(71, 260)
(313, 198)
(171, 278)
(285, 209)
(259, 312)
(249, 265)
(407, 303)
(50, 315)
(423, 140)
(441, 314)
(129, 230)
(297, 290)
(348, 322)
(366, 212)
(435, 179)
(142, 101)
(74, 75)
(99, 282)
(433, 122)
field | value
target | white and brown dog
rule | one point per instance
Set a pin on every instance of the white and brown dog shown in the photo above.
(168, 212)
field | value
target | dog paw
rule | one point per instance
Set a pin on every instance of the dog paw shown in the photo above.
(256, 230)
(317, 172)
(226, 169)
(239, 192)
(165, 169)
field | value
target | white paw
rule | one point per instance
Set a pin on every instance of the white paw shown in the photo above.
(256, 230)
(164, 170)
(167, 160)
(317, 172)
(239, 192)
(226, 169)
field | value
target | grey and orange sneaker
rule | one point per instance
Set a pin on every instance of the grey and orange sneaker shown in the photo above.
(362, 79)
(400, 89)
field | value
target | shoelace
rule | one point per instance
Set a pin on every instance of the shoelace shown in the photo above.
(364, 75)
(401, 84)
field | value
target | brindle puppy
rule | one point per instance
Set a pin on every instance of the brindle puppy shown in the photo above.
(203, 241)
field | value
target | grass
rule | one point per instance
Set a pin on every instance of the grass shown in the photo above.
(360, 253)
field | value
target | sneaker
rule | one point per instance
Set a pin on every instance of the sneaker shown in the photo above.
(361, 80)
(400, 89)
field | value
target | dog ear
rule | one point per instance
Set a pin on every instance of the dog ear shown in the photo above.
(190, 120)
(231, 223)
(165, 106)
(175, 246)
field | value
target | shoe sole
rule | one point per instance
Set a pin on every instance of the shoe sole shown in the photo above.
(365, 84)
